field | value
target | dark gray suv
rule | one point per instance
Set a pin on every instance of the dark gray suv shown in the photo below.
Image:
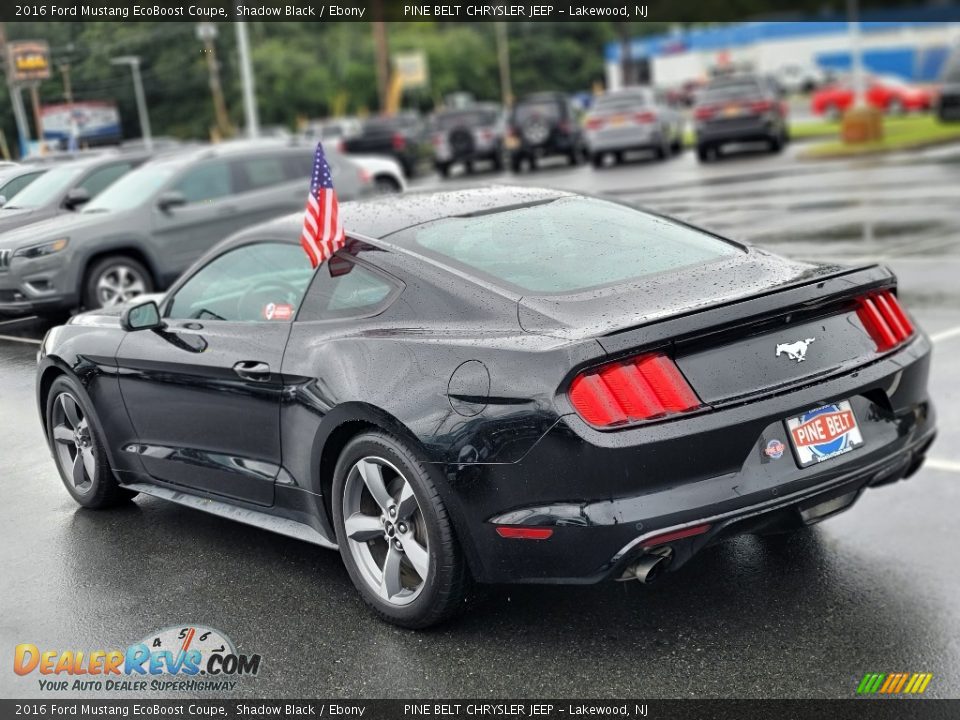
(142, 232)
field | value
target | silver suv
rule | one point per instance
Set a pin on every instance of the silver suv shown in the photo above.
(143, 231)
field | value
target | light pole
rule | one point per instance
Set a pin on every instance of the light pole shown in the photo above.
(856, 54)
(134, 62)
(246, 78)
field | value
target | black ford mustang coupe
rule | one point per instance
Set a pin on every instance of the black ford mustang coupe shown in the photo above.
(495, 385)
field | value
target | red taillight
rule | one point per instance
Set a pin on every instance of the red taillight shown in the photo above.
(676, 535)
(641, 388)
(761, 106)
(645, 117)
(398, 141)
(595, 123)
(704, 112)
(884, 319)
(524, 533)
(364, 175)
(341, 146)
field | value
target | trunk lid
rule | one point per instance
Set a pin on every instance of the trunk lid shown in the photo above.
(724, 323)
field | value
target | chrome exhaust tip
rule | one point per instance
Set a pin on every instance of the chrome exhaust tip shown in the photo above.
(648, 568)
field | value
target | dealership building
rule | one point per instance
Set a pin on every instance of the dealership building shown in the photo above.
(914, 49)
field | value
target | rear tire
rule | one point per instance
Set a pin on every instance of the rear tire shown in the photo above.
(705, 153)
(78, 448)
(400, 551)
(597, 160)
(443, 169)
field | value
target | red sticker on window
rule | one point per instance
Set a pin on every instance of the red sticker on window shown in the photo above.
(278, 311)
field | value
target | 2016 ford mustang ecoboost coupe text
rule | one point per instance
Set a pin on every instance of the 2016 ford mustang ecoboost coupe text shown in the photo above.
(495, 385)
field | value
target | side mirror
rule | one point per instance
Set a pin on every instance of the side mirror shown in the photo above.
(3, 200)
(145, 316)
(169, 200)
(75, 198)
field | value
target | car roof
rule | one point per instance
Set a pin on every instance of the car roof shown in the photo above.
(82, 160)
(231, 148)
(381, 217)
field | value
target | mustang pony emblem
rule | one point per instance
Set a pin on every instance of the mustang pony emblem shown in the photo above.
(796, 350)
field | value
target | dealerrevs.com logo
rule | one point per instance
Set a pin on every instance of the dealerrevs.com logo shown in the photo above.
(186, 658)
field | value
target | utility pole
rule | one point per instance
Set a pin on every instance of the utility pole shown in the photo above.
(246, 78)
(37, 115)
(134, 62)
(381, 48)
(503, 57)
(67, 88)
(207, 32)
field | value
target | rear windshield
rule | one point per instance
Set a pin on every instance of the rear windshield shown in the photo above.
(731, 89)
(564, 245)
(546, 109)
(622, 102)
(468, 118)
(381, 125)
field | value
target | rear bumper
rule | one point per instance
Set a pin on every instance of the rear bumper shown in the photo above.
(620, 141)
(741, 130)
(604, 495)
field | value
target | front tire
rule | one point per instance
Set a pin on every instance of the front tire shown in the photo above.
(78, 448)
(395, 536)
(115, 280)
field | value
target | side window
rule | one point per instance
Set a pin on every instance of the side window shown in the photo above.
(298, 167)
(98, 180)
(262, 172)
(205, 182)
(18, 184)
(342, 289)
(260, 282)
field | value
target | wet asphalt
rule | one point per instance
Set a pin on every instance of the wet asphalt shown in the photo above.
(873, 590)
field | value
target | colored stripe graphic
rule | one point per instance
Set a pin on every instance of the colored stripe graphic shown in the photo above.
(894, 683)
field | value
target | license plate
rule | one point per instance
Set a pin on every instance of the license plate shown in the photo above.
(732, 110)
(617, 120)
(824, 432)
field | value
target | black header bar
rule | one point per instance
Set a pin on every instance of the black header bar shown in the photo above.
(397, 11)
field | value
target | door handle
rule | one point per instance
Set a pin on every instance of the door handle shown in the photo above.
(252, 370)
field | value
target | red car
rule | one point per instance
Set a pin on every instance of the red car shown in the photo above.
(886, 92)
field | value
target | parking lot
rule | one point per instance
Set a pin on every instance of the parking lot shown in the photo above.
(873, 590)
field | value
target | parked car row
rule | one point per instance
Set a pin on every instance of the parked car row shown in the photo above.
(885, 92)
(103, 229)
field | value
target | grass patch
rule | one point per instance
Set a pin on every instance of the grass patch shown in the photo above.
(814, 129)
(901, 133)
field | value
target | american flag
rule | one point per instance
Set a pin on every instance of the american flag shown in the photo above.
(322, 232)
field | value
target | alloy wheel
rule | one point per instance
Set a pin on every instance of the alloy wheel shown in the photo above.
(385, 530)
(74, 442)
(119, 284)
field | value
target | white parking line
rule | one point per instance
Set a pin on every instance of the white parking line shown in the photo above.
(18, 320)
(946, 334)
(937, 464)
(12, 338)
